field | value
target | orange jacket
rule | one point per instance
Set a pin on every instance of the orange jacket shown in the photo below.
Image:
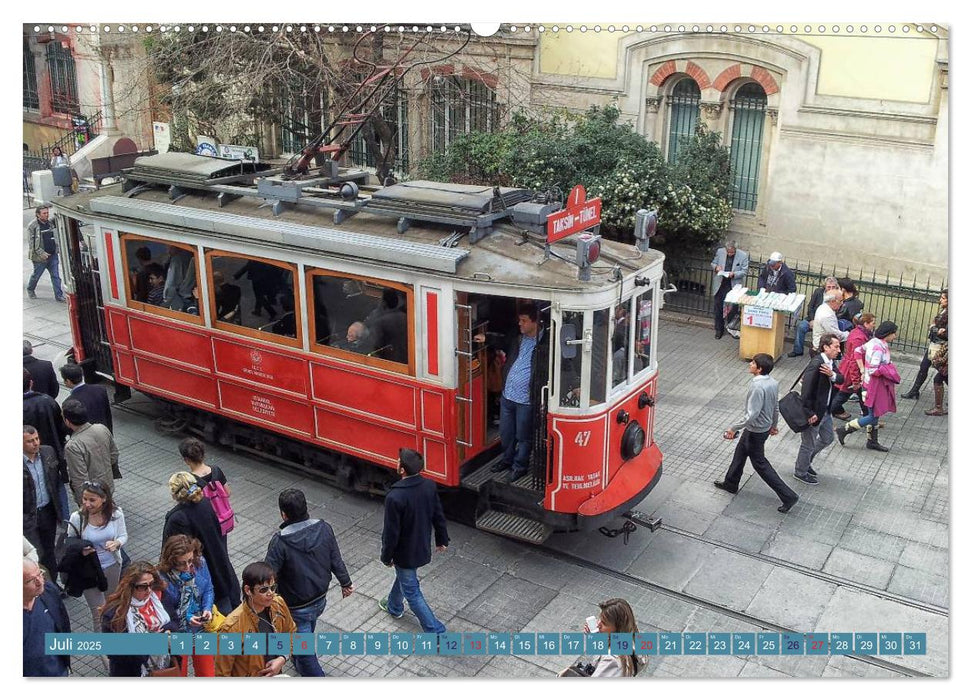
(243, 620)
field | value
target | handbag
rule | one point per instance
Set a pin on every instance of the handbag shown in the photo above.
(216, 622)
(791, 408)
(933, 348)
(577, 670)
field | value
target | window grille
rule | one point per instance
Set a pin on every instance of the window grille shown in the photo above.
(31, 96)
(684, 104)
(460, 106)
(64, 80)
(746, 151)
(395, 113)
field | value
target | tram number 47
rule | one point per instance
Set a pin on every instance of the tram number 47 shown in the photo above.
(583, 438)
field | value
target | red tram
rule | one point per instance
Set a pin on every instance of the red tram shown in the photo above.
(230, 296)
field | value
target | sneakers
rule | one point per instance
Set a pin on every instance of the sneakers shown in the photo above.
(383, 604)
(31, 294)
(794, 354)
(733, 333)
(843, 416)
(811, 472)
(725, 487)
(807, 479)
(60, 300)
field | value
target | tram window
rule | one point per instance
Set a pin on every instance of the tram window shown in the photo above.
(619, 341)
(599, 356)
(253, 294)
(643, 331)
(571, 358)
(161, 276)
(363, 317)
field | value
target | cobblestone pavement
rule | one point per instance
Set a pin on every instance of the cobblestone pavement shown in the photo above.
(866, 550)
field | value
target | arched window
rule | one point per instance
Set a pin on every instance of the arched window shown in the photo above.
(746, 150)
(684, 105)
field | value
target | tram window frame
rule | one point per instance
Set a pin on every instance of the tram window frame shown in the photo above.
(124, 239)
(357, 358)
(652, 353)
(240, 329)
(599, 392)
(618, 386)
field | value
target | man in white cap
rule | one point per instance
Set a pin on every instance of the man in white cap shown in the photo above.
(776, 276)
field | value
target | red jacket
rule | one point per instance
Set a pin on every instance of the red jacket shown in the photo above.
(848, 367)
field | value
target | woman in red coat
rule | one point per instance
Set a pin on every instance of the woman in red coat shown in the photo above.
(880, 378)
(863, 324)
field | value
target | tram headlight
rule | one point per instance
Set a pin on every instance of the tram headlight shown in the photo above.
(632, 441)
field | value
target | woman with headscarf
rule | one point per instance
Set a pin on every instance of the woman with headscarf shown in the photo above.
(134, 607)
(880, 378)
(193, 516)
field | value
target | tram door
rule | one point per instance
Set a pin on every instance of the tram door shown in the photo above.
(472, 397)
(83, 262)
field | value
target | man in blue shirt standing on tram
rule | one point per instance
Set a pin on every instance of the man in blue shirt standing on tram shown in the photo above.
(515, 411)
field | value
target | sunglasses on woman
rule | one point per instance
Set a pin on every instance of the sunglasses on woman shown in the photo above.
(263, 590)
(142, 586)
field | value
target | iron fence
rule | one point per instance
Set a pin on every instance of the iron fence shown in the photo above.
(910, 303)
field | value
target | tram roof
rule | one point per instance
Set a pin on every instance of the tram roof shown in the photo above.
(499, 258)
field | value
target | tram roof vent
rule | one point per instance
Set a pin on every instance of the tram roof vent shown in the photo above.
(188, 169)
(477, 207)
(383, 249)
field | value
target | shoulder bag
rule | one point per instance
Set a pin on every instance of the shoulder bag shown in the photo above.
(791, 408)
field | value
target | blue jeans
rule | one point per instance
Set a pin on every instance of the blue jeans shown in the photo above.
(802, 328)
(406, 587)
(306, 621)
(515, 426)
(51, 266)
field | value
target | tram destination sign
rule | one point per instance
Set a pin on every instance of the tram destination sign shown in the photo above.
(579, 214)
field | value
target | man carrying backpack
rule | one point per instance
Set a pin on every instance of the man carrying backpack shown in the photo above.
(304, 554)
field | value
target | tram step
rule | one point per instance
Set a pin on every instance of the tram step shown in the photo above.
(481, 476)
(514, 526)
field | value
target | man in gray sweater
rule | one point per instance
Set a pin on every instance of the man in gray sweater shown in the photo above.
(761, 419)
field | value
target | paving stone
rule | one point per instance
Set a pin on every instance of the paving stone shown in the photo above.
(753, 669)
(609, 551)
(871, 542)
(925, 558)
(449, 666)
(675, 515)
(846, 667)
(791, 599)
(507, 604)
(564, 613)
(758, 508)
(906, 525)
(671, 560)
(920, 585)
(456, 583)
(797, 550)
(739, 533)
(697, 666)
(512, 667)
(728, 579)
(796, 666)
(852, 610)
(860, 568)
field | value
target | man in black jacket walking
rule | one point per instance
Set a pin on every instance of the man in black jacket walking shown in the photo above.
(411, 509)
(818, 388)
(304, 554)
